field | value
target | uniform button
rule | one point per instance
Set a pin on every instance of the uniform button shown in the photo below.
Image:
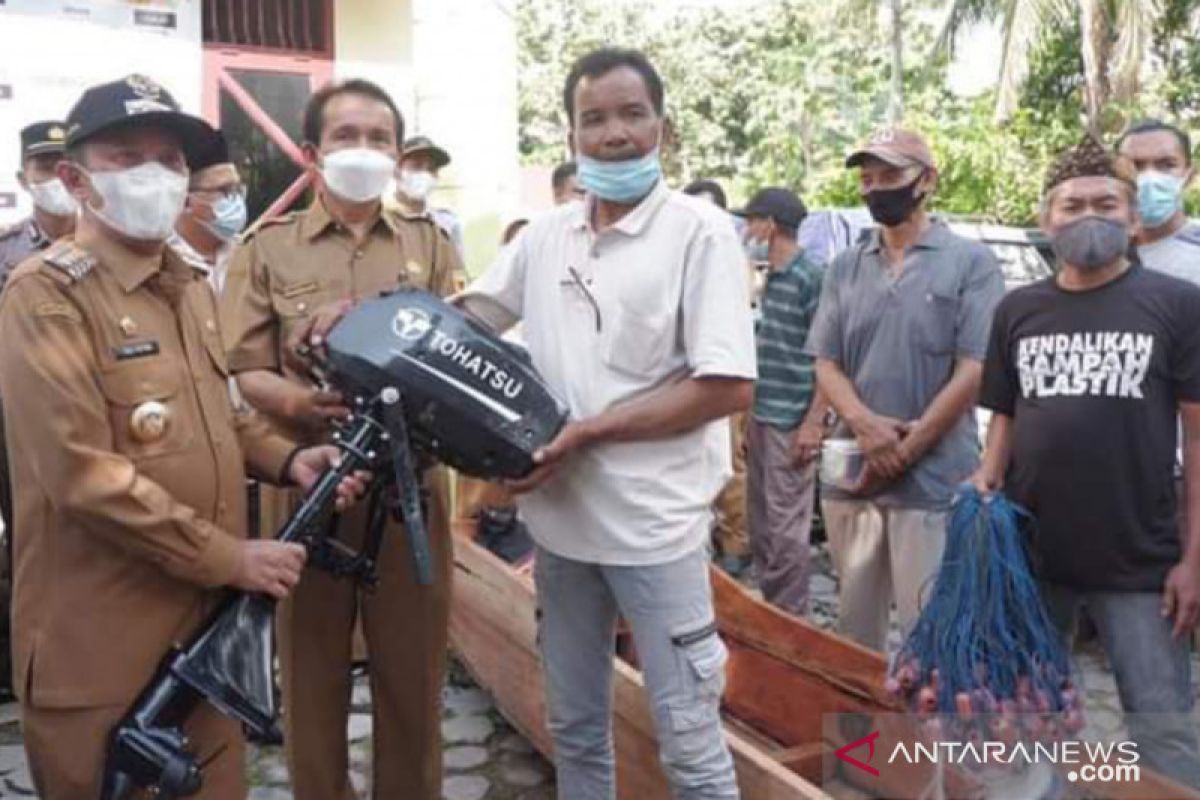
(212, 326)
(358, 253)
(301, 306)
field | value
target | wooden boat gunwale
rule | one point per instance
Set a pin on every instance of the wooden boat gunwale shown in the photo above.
(493, 630)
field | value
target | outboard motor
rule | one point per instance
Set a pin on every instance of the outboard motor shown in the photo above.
(424, 382)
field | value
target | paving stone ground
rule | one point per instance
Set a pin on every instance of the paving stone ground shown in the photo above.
(485, 759)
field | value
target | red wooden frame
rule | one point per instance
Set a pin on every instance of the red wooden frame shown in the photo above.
(220, 61)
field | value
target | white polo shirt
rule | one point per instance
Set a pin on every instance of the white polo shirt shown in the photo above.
(658, 297)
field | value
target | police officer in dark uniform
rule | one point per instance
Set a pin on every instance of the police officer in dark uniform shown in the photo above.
(54, 208)
(53, 216)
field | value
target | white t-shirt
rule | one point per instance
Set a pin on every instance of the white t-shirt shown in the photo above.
(658, 297)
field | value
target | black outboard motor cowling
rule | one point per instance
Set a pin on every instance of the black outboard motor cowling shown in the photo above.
(420, 378)
(472, 400)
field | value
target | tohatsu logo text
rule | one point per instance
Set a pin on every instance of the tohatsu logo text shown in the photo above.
(412, 324)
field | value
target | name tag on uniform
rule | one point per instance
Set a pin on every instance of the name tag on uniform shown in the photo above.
(135, 350)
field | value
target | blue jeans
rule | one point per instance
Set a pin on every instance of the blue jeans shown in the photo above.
(1152, 669)
(670, 611)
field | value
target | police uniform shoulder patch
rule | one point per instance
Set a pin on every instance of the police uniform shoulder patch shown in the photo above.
(70, 261)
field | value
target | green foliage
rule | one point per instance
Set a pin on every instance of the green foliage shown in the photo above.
(778, 91)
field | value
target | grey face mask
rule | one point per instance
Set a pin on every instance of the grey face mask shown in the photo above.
(1091, 243)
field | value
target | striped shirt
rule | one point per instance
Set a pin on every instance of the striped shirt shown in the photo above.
(785, 374)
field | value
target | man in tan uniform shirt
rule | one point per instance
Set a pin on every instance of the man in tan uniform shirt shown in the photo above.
(127, 455)
(344, 247)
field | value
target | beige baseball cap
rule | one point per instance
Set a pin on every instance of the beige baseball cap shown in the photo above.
(896, 146)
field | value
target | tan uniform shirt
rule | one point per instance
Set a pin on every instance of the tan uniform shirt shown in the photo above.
(291, 267)
(128, 466)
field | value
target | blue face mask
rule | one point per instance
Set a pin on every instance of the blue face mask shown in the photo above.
(229, 217)
(757, 250)
(619, 181)
(1159, 196)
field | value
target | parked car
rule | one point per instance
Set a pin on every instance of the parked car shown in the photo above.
(1024, 253)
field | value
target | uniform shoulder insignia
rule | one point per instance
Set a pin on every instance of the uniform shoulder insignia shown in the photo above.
(272, 222)
(69, 260)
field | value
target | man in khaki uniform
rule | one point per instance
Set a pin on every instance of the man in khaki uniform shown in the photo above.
(127, 455)
(344, 247)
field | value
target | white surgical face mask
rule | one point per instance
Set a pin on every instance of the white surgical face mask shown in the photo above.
(142, 202)
(357, 174)
(417, 184)
(53, 198)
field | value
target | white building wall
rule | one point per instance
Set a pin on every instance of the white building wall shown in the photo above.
(465, 57)
(51, 53)
(451, 65)
(374, 40)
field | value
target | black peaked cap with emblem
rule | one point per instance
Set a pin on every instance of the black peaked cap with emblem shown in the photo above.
(135, 100)
(40, 138)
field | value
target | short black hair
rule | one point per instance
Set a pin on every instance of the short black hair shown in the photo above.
(561, 174)
(707, 186)
(604, 60)
(314, 109)
(1154, 126)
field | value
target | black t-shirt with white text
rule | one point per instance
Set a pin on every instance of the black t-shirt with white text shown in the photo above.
(1092, 380)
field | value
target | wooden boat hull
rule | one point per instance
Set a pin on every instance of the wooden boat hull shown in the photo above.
(784, 675)
(493, 629)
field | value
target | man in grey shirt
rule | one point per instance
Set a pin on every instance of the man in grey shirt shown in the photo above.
(899, 338)
(1162, 155)
(1168, 242)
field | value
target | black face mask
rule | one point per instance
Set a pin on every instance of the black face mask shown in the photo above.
(890, 207)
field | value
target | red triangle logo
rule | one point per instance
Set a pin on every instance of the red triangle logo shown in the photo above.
(869, 740)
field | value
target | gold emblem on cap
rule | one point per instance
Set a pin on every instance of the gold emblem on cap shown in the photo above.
(56, 133)
(144, 87)
(148, 422)
(128, 326)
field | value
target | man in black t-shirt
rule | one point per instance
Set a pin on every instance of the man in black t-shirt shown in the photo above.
(1084, 374)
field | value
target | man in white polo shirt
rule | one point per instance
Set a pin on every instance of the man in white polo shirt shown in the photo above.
(635, 311)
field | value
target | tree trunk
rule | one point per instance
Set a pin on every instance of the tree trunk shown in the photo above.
(1096, 52)
(896, 106)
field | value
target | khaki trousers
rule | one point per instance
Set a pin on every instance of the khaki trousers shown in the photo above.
(66, 749)
(732, 537)
(882, 555)
(405, 627)
(780, 512)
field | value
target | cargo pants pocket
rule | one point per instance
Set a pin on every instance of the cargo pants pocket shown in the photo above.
(701, 657)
